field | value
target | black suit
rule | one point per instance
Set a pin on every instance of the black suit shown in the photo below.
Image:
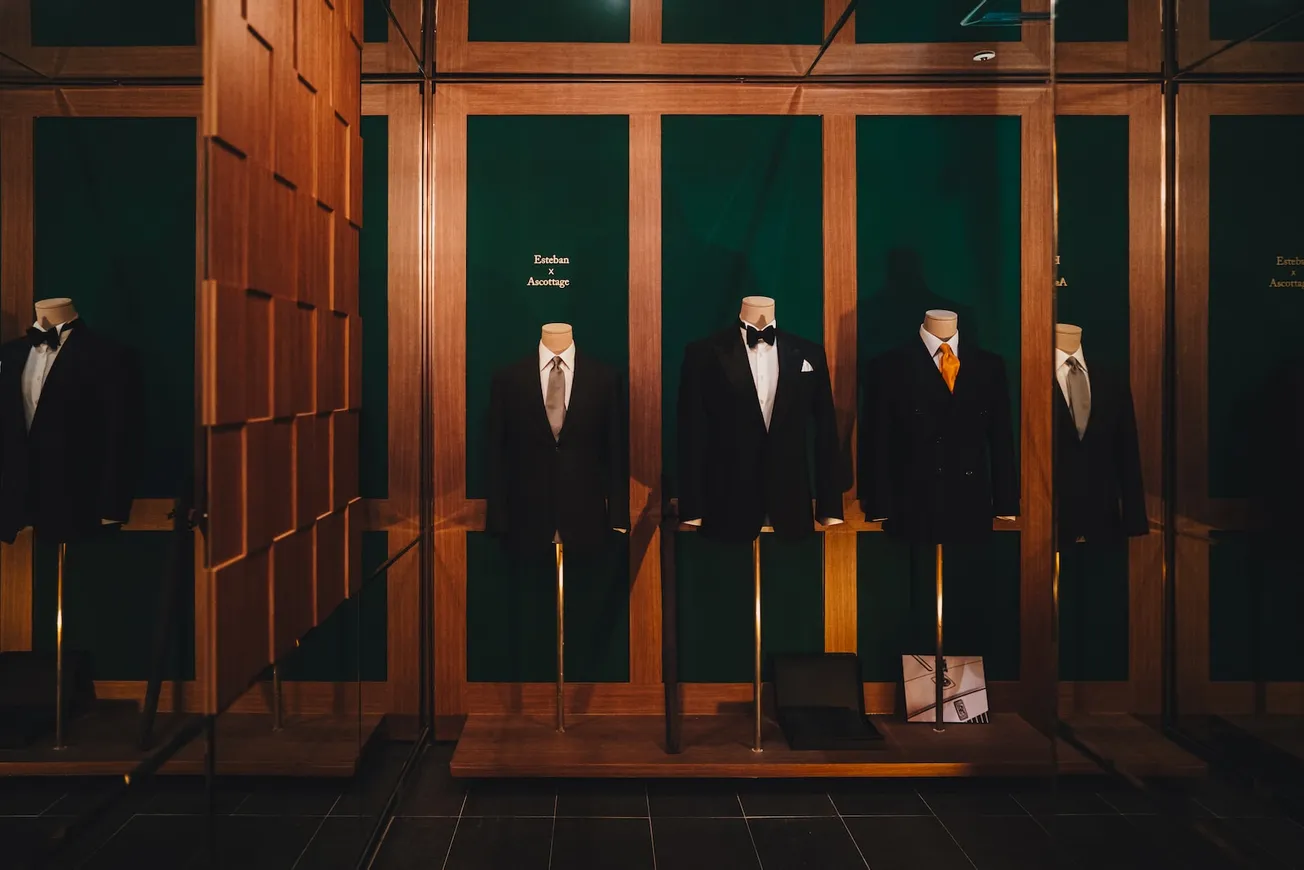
(937, 465)
(577, 484)
(77, 465)
(1098, 478)
(732, 472)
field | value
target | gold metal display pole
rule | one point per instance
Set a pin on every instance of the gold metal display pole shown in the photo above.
(277, 724)
(58, 653)
(939, 665)
(756, 675)
(561, 640)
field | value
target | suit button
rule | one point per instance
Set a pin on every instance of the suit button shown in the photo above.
(939, 439)
(939, 471)
(968, 474)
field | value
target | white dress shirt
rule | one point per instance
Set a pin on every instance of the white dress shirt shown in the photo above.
(40, 360)
(1062, 370)
(764, 362)
(934, 345)
(567, 369)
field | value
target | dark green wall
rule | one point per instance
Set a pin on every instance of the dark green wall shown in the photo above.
(373, 304)
(743, 22)
(112, 22)
(1091, 21)
(546, 185)
(1238, 19)
(930, 21)
(742, 214)
(375, 21)
(553, 21)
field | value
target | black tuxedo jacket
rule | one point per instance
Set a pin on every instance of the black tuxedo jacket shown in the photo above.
(936, 465)
(732, 472)
(1098, 478)
(576, 485)
(77, 465)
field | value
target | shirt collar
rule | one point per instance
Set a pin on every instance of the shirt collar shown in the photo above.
(60, 327)
(742, 327)
(934, 344)
(567, 357)
(1061, 357)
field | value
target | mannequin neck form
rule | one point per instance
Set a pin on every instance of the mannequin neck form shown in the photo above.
(52, 312)
(1068, 338)
(556, 337)
(941, 323)
(757, 310)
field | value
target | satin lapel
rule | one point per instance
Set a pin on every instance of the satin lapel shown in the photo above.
(581, 383)
(733, 358)
(927, 372)
(532, 387)
(790, 360)
(70, 354)
(1062, 409)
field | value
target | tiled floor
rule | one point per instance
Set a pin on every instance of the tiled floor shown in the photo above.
(444, 824)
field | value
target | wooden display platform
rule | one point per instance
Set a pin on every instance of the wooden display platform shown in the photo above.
(719, 747)
(1134, 747)
(103, 743)
(1285, 733)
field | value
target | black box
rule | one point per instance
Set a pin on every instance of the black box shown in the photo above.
(820, 702)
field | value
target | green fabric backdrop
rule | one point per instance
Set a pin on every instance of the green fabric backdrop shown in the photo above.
(743, 22)
(553, 21)
(545, 185)
(1090, 21)
(1237, 19)
(112, 22)
(930, 21)
(938, 226)
(742, 213)
(373, 304)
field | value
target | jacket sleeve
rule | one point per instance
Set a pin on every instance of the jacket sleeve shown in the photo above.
(875, 453)
(496, 457)
(831, 473)
(1128, 462)
(618, 451)
(1000, 435)
(121, 395)
(692, 437)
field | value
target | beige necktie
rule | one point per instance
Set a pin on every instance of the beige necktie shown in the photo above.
(1079, 396)
(555, 400)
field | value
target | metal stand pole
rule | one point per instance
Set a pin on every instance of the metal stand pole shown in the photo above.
(277, 724)
(561, 640)
(756, 675)
(58, 653)
(939, 665)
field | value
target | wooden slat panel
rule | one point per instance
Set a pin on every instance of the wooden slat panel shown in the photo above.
(344, 450)
(292, 590)
(241, 592)
(331, 575)
(645, 22)
(344, 274)
(332, 347)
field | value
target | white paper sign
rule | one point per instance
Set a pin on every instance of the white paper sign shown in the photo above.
(964, 690)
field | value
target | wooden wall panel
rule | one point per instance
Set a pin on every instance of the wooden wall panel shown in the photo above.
(282, 104)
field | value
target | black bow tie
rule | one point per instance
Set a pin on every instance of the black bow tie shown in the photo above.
(47, 337)
(755, 335)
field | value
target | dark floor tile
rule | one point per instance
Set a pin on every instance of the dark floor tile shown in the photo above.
(414, 844)
(601, 799)
(85, 795)
(805, 844)
(499, 844)
(297, 797)
(1281, 839)
(877, 799)
(368, 791)
(25, 840)
(703, 844)
(511, 798)
(906, 843)
(1184, 848)
(693, 799)
(958, 799)
(1063, 801)
(1087, 842)
(1130, 802)
(431, 791)
(602, 844)
(1227, 802)
(1002, 842)
(339, 842)
(257, 843)
(177, 795)
(785, 800)
(29, 796)
(152, 841)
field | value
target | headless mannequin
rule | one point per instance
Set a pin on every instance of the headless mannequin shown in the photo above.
(759, 312)
(1068, 338)
(943, 324)
(557, 337)
(50, 314)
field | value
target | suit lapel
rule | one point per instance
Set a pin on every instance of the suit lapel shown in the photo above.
(581, 384)
(733, 358)
(532, 387)
(63, 367)
(790, 359)
(926, 371)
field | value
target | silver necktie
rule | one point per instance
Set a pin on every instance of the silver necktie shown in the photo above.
(1079, 396)
(555, 401)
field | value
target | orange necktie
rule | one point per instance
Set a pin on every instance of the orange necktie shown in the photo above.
(950, 366)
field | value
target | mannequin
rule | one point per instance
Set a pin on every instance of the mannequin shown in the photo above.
(69, 407)
(1098, 482)
(745, 405)
(941, 323)
(572, 483)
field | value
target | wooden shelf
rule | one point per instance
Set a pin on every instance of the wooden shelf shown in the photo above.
(103, 743)
(719, 747)
(1134, 747)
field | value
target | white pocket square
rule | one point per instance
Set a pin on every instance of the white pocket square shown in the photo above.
(806, 366)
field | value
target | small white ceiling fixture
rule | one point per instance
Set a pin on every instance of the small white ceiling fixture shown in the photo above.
(985, 55)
